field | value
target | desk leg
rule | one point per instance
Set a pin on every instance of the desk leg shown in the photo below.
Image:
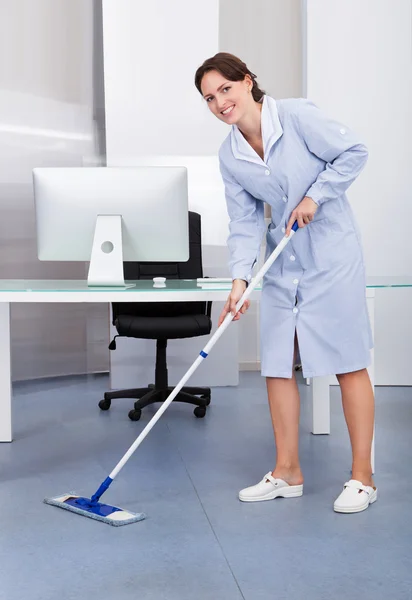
(370, 301)
(320, 405)
(5, 374)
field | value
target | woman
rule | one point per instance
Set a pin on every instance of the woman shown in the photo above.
(286, 153)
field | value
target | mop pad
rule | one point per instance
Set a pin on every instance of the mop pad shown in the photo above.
(91, 507)
(101, 512)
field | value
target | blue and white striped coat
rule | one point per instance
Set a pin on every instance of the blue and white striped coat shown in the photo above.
(317, 285)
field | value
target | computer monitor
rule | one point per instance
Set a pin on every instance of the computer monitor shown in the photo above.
(107, 215)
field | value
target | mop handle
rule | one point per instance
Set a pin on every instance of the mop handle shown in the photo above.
(203, 354)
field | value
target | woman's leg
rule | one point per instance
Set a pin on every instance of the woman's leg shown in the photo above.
(284, 402)
(358, 407)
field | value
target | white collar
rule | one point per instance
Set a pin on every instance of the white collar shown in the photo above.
(271, 132)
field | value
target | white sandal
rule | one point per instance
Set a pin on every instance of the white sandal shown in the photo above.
(270, 488)
(355, 497)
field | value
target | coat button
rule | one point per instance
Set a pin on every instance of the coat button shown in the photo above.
(296, 281)
(295, 310)
(343, 131)
(267, 172)
(292, 257)
(283, 230)
(284, 199)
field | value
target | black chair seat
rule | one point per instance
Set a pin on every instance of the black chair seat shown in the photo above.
(183, 326)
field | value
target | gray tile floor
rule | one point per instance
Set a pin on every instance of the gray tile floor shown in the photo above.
(198, 542)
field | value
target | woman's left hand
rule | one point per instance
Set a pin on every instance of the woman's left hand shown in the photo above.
(303, 213)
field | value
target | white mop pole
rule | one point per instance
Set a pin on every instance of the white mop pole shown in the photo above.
(203, 354)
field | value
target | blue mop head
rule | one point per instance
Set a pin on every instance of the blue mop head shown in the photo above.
(95, 510)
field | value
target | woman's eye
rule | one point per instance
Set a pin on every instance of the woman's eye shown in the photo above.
(226, 88)
(209, 99)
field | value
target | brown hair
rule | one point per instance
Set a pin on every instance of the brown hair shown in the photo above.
(230, 67)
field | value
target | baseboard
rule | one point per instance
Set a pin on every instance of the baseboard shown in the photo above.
(249, 366)
(61, 376)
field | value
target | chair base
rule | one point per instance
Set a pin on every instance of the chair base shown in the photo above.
(198, 396)
(158, 392)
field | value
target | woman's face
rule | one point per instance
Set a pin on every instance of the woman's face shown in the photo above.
(228, 100)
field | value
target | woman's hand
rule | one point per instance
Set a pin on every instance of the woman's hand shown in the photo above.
(303, 214)
(238, 288)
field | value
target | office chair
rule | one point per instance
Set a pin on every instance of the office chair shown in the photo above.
(162, 321)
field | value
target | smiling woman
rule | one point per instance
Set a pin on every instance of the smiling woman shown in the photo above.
(227, 85)
(289, 155)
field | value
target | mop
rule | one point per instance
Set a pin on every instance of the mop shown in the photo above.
(91, 507)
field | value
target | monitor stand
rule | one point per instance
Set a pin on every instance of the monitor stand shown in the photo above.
(106, 263)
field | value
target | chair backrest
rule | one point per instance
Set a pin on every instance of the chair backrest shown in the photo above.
(192, 269)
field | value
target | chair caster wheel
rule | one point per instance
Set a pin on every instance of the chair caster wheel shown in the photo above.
(199, 412)
(105, 404)
(207, 398)
(135, 414)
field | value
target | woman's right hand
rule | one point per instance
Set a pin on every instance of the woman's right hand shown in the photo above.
(238, 288)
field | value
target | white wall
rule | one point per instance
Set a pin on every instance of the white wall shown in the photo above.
(153, 108)
(359, 69)
(45, 61)
(152, 50)
(155, 114)
(46, 119)
(267, 35)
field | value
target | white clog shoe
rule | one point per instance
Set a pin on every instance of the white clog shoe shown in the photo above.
(355, 497)
(270, 488)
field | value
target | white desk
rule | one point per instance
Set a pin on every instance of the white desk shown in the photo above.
(48, 291)
(175, 291)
